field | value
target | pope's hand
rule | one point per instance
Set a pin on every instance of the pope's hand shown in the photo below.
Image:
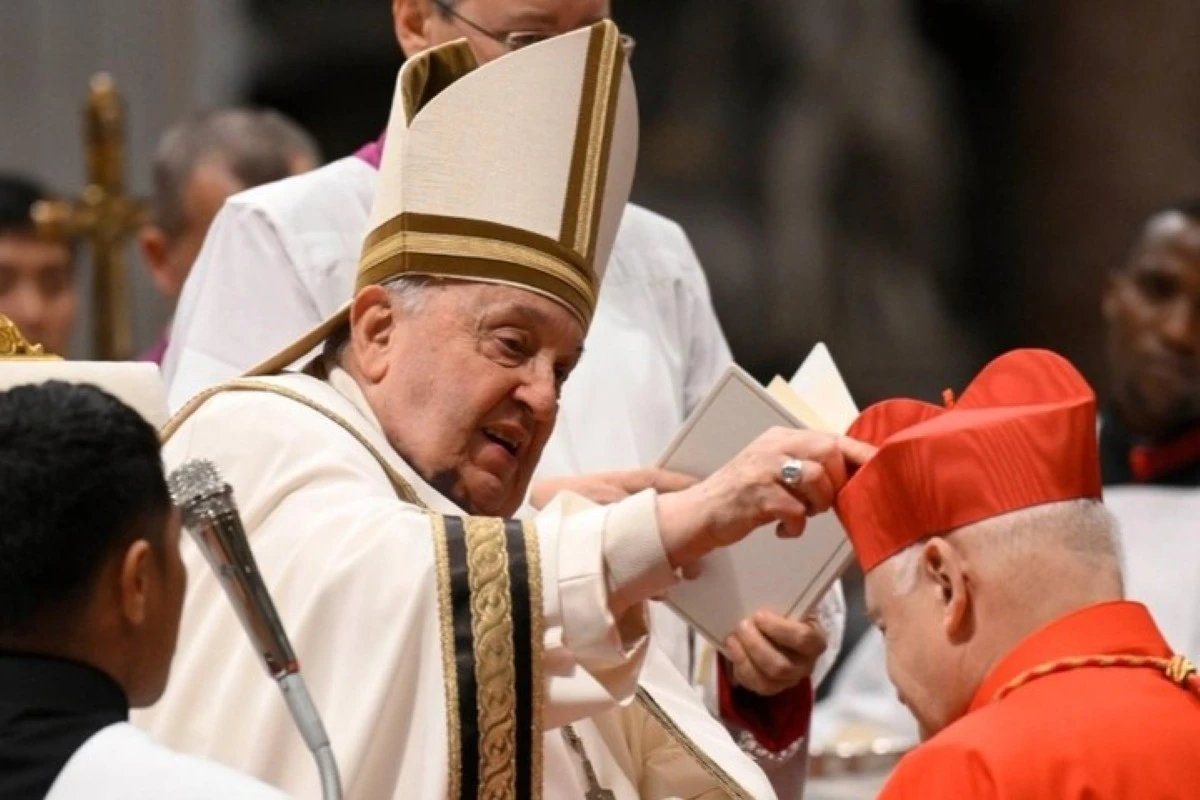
(609, 487)
(750, 491)
(769, 654)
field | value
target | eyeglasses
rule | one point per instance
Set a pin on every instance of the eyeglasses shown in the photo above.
(518, 39)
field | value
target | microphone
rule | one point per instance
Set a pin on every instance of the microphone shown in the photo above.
(211, 518)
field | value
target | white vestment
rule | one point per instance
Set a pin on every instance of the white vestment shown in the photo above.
(1160, 536)
(279, 258)
(122, 763)
(374, 607)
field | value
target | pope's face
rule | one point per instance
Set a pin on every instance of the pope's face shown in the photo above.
(466, 385)
(502, 17)
(923, 663)
(1152, 308)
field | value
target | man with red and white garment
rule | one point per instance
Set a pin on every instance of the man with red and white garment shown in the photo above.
(282, 257)
(993, 571)
(1149, 461)
(1150, 431)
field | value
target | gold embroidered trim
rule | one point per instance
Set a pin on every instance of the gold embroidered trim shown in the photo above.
(727, 783)
(440, 224)
(569, 227)
(495, 665)
(537, 636)
(437, 525)
(1177, 669)
(459, 246)
(402, 487)
(432, 72)
(412, 243)
(598, 136)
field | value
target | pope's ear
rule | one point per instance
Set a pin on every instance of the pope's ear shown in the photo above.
(372, 324)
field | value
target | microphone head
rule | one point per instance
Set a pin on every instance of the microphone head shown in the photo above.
(194, 483)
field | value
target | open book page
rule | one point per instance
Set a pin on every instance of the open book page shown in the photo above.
(819, 384)
(788, 576)
(802, 411)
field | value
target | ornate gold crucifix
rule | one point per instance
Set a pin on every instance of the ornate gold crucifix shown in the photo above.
(105, 216)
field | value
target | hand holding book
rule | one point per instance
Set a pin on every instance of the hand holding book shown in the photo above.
(736, 425)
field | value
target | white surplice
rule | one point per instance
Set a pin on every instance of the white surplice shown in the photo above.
(353, 571)
(121, 762)
(279, 258)
(1160, 536)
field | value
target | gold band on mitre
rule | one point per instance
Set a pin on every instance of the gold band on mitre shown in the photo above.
(475, 250)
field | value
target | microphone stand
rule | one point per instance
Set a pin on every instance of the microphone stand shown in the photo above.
(211, 518)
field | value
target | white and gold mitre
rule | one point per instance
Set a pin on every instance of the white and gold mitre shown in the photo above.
(138, 385)
(514, 172)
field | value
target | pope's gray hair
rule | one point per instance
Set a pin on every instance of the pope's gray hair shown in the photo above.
(408, 294)
(1085, 529)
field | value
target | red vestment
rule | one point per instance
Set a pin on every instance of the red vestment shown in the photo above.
(1095, 732)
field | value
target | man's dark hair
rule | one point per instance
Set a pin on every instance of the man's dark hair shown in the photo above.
(17, 197)
(81, 477)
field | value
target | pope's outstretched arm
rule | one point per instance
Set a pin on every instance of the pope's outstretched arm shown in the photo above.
(435, 644)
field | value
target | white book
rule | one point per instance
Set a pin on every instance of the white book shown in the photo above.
(763, 571)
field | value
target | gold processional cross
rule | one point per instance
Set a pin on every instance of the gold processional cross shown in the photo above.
(105, 216)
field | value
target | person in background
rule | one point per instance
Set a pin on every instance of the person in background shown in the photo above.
(993, 571)
(38, 290)
(91, 589)
(1150, 430)
(199, 163)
